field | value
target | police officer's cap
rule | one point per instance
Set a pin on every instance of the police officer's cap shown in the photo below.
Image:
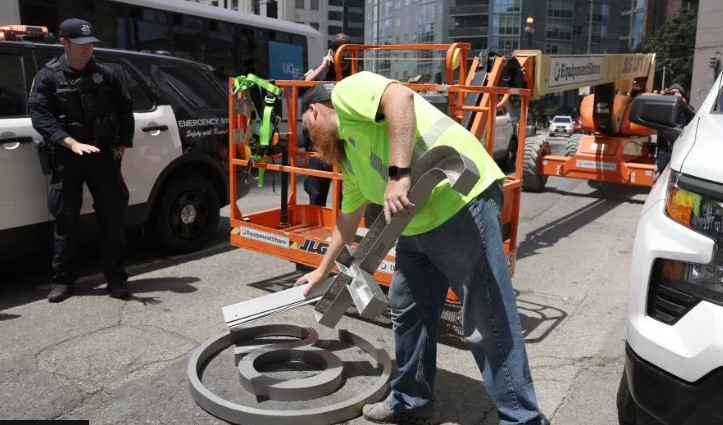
(317, 94)
(77, 31)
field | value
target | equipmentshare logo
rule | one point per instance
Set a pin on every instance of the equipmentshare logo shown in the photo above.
(575, 70)
(566, 72)
(267, 237)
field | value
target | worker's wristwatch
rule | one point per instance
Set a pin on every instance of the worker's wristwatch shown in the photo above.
(397, 172)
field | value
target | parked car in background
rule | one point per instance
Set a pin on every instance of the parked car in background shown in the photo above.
(505, 150)
(561, 124)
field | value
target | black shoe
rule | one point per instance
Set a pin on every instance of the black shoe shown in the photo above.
(60, 293)
(119, 290)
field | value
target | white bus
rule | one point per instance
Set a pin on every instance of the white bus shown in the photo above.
(233, 42)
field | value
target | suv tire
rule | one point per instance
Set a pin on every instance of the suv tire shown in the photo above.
(187, 214)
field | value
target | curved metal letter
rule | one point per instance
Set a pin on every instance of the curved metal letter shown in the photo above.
(356, 283)
(239, 414)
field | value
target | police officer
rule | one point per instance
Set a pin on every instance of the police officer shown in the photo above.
(82, 110)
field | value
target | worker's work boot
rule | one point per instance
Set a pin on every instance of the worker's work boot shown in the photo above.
(381, 413)
(119, 290)
(60, 293)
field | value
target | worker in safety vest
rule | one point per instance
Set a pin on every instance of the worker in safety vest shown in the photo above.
(375, 129)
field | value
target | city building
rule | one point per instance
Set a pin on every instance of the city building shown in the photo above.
(407, 22)
(708, 50)
(641, 18)
(328, 17)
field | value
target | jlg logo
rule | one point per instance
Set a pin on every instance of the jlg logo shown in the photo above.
(314, 247)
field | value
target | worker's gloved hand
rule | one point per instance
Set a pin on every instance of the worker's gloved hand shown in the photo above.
(395, 198)
(310, 280)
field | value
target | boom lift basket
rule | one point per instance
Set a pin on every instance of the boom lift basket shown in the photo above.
(298, 232)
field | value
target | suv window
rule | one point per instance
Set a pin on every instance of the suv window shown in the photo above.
(566, 120)
(13, 95)
(192, 84)
(141, 101)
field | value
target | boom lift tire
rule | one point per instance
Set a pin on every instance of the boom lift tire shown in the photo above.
(532, 178)
(571, 147)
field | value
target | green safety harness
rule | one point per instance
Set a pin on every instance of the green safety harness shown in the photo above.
(266, 123)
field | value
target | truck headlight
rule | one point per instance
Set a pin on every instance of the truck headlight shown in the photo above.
(678, 286)
(695, 211)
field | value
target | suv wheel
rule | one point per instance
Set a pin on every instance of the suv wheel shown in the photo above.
(187, 214)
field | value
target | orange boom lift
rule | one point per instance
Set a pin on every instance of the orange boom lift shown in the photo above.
(616, 150)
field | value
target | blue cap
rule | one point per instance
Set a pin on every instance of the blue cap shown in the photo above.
(77, 31)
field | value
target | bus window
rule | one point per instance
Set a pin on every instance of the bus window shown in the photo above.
(149, 29)
(188, 37)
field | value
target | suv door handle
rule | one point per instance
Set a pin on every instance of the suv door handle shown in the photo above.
(18, 139)
(150, 128)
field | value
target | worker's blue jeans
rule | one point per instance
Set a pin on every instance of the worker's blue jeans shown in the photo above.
(465, 253)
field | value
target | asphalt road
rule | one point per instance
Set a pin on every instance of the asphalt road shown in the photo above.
(110, 361)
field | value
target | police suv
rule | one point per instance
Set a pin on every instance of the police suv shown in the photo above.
(176, 172)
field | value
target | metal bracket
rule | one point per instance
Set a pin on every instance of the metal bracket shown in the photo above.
(356, 284)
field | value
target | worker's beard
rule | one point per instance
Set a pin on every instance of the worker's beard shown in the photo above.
(329, 149)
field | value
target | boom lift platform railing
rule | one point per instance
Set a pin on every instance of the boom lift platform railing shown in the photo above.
(474, 88)
(299, 232)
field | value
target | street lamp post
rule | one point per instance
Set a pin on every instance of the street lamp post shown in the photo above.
(530, 30)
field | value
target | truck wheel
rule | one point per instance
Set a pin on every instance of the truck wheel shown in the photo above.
(187, 214)
(532, 178)
(508, 162)
(571, 147)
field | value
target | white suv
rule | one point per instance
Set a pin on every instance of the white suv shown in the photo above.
(561, 124)
(176, 172)
(674, 352)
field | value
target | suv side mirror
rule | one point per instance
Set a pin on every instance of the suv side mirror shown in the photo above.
(660, 112)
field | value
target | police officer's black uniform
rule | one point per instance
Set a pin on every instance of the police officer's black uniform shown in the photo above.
(93, 107)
